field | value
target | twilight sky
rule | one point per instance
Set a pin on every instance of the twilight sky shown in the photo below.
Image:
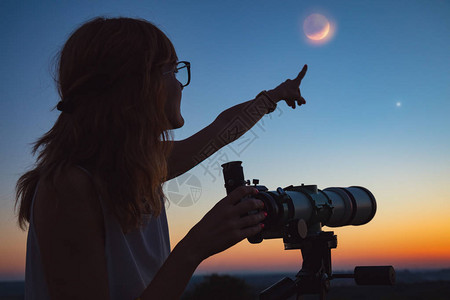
(377, 114)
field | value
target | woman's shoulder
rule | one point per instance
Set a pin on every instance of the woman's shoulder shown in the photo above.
(69, 195)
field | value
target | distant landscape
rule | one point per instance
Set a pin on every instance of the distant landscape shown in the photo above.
(417, 284)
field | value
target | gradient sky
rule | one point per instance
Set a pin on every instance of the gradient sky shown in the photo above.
(377, 114)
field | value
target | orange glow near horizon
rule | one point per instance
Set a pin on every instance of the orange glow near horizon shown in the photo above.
(404, 246)
(271, 256)
(406, 232)
(393, 237)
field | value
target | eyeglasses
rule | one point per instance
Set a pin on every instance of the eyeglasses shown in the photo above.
(182, 72)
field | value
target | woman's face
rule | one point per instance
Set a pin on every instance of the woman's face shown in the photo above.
(173, 101)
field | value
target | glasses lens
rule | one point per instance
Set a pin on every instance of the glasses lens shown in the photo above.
(182, 73)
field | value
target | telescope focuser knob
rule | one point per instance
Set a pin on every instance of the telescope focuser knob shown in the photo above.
(281, 191)
(284, 197)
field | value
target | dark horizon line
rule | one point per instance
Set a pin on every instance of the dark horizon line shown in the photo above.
(253, 273)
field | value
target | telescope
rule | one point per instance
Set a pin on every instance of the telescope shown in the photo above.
(297, 214)
(300, 211)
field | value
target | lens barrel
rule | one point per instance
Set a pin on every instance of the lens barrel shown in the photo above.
(351, 206)
(333, 207)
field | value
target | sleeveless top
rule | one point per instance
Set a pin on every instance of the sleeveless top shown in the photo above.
(132, 259)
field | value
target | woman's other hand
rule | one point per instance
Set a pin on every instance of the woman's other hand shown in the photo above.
(226, 224)
(289, 90)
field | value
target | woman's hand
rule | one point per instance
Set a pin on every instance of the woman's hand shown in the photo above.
(226, 224)
(289, 90)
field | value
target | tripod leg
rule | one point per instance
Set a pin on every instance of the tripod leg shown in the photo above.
(323, 294)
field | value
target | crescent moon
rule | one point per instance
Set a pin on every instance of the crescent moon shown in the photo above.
(317, 36)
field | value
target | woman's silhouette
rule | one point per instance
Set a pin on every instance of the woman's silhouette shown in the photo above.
(94, 200)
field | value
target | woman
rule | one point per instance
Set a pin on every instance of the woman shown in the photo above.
(94, 201)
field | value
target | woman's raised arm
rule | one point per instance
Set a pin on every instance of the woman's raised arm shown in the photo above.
(230, 125)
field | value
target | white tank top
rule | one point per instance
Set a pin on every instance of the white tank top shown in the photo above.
(132, 259)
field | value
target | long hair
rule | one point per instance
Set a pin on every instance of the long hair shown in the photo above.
(109, 75)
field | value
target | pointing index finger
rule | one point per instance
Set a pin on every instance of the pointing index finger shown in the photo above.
(302, 73)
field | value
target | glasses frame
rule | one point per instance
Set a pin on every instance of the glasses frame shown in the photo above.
(186, 65)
